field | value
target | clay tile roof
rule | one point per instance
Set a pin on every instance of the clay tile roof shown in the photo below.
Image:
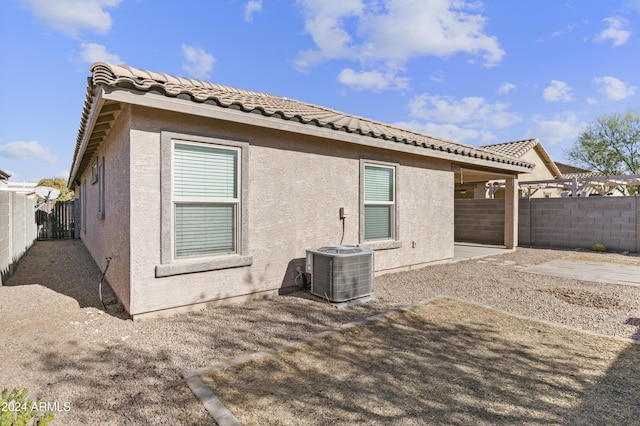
(517, 149)
(514, 149)
(121, 76)
(568, 169)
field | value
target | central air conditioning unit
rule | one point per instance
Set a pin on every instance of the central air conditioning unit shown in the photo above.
(340, 273)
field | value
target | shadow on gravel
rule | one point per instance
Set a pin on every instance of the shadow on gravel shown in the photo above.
(142, 383)
(457, 371)
(66, 267)
(444, 364)
(448, 366)
(118, 385)
(610, 399)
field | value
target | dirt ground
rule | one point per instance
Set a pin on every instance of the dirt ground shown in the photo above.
(444, 362)
(60, 343)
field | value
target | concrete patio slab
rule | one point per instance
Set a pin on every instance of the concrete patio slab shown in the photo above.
(589, 271)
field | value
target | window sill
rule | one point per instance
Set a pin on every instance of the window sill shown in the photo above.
(381, 245)
(193, 266)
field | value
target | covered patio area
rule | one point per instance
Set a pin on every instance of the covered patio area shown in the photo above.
(477, 177)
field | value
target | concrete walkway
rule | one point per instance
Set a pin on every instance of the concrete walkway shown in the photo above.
(599, 272)
(466, 251)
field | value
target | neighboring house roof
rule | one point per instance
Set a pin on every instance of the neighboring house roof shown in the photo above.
(519, 148)
(581, 175)
(514, 149)
(569, 169)
(120, 77)
(4, 175)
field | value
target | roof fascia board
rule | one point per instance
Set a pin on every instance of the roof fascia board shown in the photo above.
(153, 100)
(547, 159)
(496, 174)
(96, 106)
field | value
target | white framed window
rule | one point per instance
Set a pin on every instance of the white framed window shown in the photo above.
(206, 186)
(203, 184)
(101, 183)
(94, 173)
(83, 201)
(379, 202)
(379, 227)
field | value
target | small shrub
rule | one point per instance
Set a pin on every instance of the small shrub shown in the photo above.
(598, 247)
(17, 410)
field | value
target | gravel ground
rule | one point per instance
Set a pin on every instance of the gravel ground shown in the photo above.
(58, 342)
(441, 363)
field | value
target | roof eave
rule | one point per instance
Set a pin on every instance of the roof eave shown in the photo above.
(547, 159)
(153, 100)
(97, 102)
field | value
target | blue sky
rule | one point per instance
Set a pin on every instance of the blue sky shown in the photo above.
(477, 72)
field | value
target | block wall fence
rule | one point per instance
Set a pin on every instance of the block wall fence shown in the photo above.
(18, 230)
(554, 222)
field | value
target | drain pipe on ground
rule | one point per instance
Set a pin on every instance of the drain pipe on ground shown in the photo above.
(105, 266)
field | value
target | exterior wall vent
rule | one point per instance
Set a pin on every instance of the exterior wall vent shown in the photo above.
(340, 273)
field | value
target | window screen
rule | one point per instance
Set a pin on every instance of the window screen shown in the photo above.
(379, 202)
(205, 195)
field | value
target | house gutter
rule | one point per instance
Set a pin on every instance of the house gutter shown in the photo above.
(157, 101)
(96, 106)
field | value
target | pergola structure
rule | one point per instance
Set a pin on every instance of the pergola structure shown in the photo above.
(578, 186)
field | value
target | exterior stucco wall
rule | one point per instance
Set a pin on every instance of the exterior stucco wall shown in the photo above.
(110, 236)
(296, 187)
(540, 171)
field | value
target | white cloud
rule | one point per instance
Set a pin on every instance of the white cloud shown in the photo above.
(557, 91)
(506, 88)
(64, 174)
(617, 31)
(386, 35)
(252, 7)
(20, 150)
(439, 27)
(72, 16)
(449, 131)
(475, 112)
(465, 120)
(92, 52)
(324, 21)
(373, 80)
(437, 76)
(568, 29)
(198, 62)
(613, 88)
(563, 127)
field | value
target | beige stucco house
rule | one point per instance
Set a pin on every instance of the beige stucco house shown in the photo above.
(528, 150)
(206, 194)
